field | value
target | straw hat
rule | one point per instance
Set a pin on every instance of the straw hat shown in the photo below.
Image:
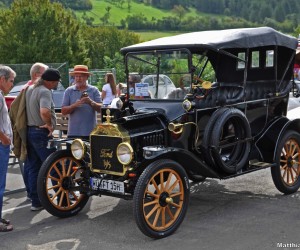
(80, 69)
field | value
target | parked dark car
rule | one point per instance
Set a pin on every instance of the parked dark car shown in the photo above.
(232, 122)
(57, 95)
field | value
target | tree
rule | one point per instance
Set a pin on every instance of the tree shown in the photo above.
(32, 31)
(265, 11)
(104, 44)
(279, 14)
(179, 10)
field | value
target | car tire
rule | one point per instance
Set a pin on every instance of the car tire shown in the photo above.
(161, 198)
(286, 173)
(206, 140)
(55, 179)
(229, 140)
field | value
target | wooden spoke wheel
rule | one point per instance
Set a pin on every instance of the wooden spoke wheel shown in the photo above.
(161, 198)
(286, 174)
(58, 180)
(289, 162)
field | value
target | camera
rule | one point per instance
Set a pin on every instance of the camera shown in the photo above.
(84, 94)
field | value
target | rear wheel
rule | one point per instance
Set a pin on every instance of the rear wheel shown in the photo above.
(57, 179)
(286, 173)
(161, 198)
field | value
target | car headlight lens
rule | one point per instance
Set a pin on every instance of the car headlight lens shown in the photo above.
(187, 105)
(78, 149)
(124, 153)
(116, 103)
(119, 104)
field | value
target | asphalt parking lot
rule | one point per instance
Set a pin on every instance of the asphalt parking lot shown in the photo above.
(246, 212)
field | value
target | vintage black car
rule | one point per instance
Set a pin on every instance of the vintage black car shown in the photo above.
(225, 118)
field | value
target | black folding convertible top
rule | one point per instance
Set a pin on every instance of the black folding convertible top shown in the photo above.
(219, 39)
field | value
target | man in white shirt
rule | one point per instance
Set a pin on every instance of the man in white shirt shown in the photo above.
(7, 76)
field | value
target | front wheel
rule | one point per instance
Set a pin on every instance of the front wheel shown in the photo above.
(58, 179)
(161, 198)
(286, 173)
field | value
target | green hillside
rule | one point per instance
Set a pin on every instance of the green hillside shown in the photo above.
(118, 13)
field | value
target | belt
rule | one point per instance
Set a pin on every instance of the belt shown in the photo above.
(35, 127)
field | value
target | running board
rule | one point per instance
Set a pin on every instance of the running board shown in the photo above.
(253, 166)
(260, 164)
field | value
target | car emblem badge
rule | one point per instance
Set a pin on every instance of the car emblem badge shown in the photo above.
(106, 153)
(106, 164)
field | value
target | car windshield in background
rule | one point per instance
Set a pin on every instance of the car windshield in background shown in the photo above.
(147, 83)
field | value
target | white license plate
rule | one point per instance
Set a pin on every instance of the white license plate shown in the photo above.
(108, 185)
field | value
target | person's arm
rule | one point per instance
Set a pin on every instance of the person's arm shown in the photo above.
(103, 95)
(67, 106)
(65, 110)
(46, 117)
(95, 105)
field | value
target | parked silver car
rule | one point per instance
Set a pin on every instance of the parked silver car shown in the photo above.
(165, 85)
(57, 94)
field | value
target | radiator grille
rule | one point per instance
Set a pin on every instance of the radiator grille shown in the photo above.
(103, 154)
(153, 139)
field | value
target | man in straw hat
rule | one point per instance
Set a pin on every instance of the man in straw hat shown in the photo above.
(80, 102)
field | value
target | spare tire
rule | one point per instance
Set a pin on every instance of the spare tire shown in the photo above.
(206, 139)
(229, 140)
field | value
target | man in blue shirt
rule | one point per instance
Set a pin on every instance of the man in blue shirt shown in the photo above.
(80, 102)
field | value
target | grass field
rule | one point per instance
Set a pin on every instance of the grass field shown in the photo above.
(117, 13)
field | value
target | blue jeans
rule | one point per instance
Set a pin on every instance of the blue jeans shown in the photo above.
(37, 153)
(4, 157)
(25, 177)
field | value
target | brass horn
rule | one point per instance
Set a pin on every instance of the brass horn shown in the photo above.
(175, 128)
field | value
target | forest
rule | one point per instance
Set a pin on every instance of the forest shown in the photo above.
(47, 31)
(213, 14)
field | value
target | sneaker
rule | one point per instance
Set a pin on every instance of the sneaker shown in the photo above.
(4, 221)
(6, 228)
(33, 208)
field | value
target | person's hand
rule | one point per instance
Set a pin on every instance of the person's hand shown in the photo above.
(49, 127)
(5, 140)
(78, 103)
(86, 100)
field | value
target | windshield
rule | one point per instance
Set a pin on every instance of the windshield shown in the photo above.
(159, 74)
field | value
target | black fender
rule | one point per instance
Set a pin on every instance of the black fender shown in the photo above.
(291, 125)
(268, 141)
(187, 159)
(58, 142)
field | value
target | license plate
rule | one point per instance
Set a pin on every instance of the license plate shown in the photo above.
(108, 185)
